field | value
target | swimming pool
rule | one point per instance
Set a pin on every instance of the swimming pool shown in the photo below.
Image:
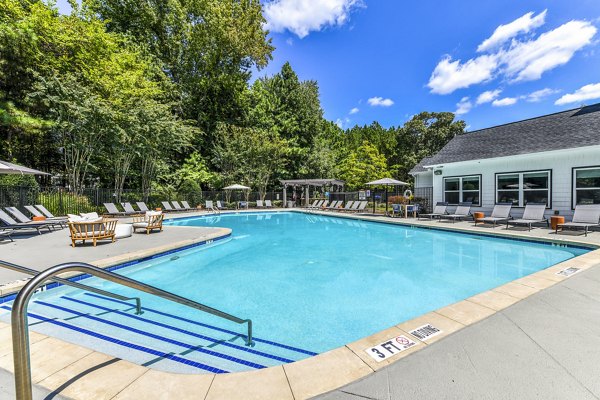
(310, 284)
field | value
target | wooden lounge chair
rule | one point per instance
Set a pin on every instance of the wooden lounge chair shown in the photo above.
(22, 218)
(438, 211)
(533, 214)
(500, 213)
(149, 222)
(113, 211)
(142, 206)
(462, 211)
(12, 224)
(586, 216)
(268, 204)
(92, 230)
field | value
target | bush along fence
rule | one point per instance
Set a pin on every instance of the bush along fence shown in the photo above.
(60, 201)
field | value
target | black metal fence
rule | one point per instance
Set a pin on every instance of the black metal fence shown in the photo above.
(61, 201)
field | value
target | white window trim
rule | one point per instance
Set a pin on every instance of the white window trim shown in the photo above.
(575, 182)
(521, 191)
(460, 188)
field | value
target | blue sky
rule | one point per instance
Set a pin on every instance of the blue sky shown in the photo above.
(492, 61)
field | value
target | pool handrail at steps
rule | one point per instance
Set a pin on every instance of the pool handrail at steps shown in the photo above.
(33, 272)
(20, 329)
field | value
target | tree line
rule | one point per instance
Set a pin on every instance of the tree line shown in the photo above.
(156, 95)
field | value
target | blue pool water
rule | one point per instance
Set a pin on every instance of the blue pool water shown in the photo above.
(309, 283)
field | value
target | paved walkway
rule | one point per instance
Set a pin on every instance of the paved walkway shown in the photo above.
(544, 347)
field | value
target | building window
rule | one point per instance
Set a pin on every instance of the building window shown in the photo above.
(586, 182)
(463, 189)
(520, 188)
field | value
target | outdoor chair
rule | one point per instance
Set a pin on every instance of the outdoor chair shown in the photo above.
(37, 213)
(45, 211)
(102, 229)
(268, 204)
(314, 204)
(360, 206)
(5, 233)
(210, 207)
(533, 214)
(348, 206)
(220, 206)
(334, 205)
(12, 224)
(186, 205)
(178, 206)
(396, 210)
(500, 213)
(462, 211)
(586, 216)
(438, 211)
(152, 220)
(22, 218)
(167, 206)
(113, 211)
(142, 206)
(259, 204)
(129, 209)
(413, 208)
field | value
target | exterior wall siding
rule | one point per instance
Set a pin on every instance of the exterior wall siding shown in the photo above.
(561, 164)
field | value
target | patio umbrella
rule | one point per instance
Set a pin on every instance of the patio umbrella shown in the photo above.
(385, 182)
(10, 168)
(236, 187)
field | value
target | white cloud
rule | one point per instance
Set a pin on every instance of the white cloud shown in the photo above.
(587, 92)
(506, 32)
(354, 110)
(339, 123)
(289, 41)
(304, 16)
(526, 61)
(539, 95)
(515, 60)
(488, 95)
(450, 75)
(507, 101)
(463, 106)
(380, 101)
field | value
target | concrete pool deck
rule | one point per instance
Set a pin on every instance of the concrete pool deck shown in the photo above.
(82, 373)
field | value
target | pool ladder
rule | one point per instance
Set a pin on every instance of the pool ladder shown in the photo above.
(20, 329)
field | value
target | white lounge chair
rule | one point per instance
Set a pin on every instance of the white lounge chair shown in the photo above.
(178, 206)
(259, 204)
(462, 211)
(186, 205)
(500, 213)
(142, 206)
(348, 206)
(438, 211)
(37, 213)
(268, 204)
(129, 209)
(359, 206)
(533, 214)
(210, 207)
(167, 206)
(586, 216)
(45, 211)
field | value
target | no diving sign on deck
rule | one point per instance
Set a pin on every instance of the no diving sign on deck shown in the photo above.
(390, 348)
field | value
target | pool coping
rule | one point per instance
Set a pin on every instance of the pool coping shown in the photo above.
(301, 379)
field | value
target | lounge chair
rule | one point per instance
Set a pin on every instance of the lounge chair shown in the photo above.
(113, 211)
(142, 206)
(462, 211)
(178, 207)
(360, 206)
(220, 206)
(12, 224)
(167, 206)
(259, 204)
(500, 213)
(186, 205)
(334, 205)
(45, 211)
(318, 205)
(268, 204)
(210, 207)
(37, 213)
(533, 214)
(129, 209)
(22, 218)
(152, 220)
(348, 206)
(314, 204)
(586, 216)
(92, 230)
(438, 211)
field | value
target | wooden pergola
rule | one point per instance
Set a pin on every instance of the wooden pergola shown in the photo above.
(307, 183)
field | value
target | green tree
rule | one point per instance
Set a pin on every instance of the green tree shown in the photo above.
(362, 165)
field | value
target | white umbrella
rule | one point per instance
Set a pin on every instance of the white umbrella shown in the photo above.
(10, 168)
(387, 182)
(236, 187)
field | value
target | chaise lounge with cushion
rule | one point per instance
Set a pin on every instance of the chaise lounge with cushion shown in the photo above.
(152, 220)
(83, 229)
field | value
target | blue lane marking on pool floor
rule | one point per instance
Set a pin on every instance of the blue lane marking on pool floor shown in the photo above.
(173, 328)
(154, 336)
(123, 343)
(283, 346)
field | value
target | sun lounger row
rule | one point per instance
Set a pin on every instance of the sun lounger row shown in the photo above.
(586, 216)
(19, 221)
(337, 205)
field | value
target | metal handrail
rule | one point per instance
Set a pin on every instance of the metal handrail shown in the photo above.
(20, 329)
(33, 272)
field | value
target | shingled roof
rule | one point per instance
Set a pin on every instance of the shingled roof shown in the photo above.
(579, 127)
